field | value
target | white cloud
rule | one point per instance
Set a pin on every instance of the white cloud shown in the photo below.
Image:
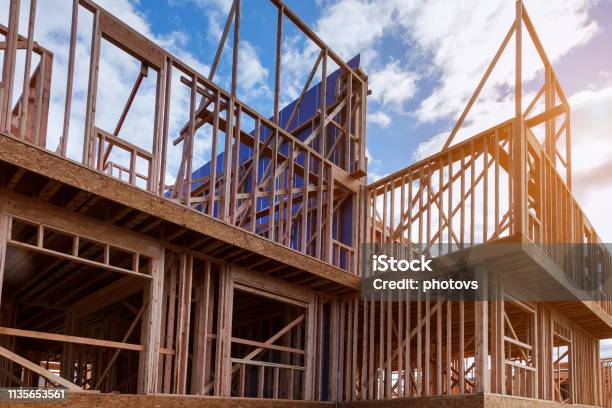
(453, 35)
(374, 168)
(430, 146)
(606, 348)
(353, 26)
(462, 38)
(298, 61)
(591, 156)
(392, 86)
(341, 26)
(380, 118)
(216, 13)
(606, 74)
(485, 115)
(252, 75)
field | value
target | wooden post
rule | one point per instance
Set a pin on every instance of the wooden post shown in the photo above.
(25, 95)
(277, 68)
(149, 366)
(8, 69)
(92, 90)
(518, 143)
(481, 336)
(230, 133)
(427, 362)
(213, 155)
(203, 317)
(354, 344)
(323, 107)
(223, 377)
(439, 348)
(348, 123)
(550, 139)
(255, 174)
(319, 208)
(169, 320)
(290, 182)
(461, 345)
(188, 144)
(183, 322)
(498, 358)
(305, 203)
(67, 363)
(70, 77)
(155, 166)
(309, 358)
(5, 227)
(235, 47)
(165, 125)
(329, 247)
(233, 202)
(535, 341)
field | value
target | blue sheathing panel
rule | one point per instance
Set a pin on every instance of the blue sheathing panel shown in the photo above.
(308, 108)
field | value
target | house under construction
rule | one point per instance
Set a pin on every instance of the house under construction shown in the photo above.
(141, 268)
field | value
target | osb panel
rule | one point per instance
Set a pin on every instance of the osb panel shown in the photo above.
(452, 401)
(502, 401)
(94, 400)
(460, 401)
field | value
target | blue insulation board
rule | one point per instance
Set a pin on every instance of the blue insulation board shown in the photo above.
(308, 108)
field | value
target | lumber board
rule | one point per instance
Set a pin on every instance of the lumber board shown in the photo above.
(38, 369)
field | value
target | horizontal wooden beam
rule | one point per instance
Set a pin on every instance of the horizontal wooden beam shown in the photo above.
(76, 259)
(8, 331)
(274, 287)
(266, 364)
(260, 344)
(546, 115)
